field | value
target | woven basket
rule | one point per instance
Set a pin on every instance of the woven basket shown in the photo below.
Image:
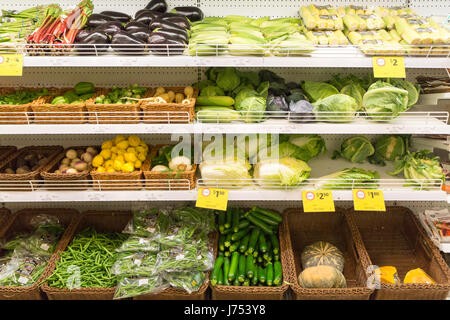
(6, 151)
(396, 238)
(169, 180)
(50, 151)
(16, 114)
(306, 228)
(4, 216)
(61, 113)
(113, 113)
(20, 222)
(220, 292)
(101, 221)
(170, 112)
(49, 175)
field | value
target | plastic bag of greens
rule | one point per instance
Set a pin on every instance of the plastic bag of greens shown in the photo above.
(189, 281)
(42, 220)
(23, 269)
(143, 223)
(136, 244)
(135, 264)
(192, 256)
(203, 218)
(135, 286)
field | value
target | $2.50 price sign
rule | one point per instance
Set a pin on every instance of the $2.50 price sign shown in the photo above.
(368, 200)
(11, 64)
(211, 198)
(318, 201)
(389, 67)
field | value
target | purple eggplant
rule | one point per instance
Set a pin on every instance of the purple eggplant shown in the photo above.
(162, 44)
(180, 21)
(119, 16)
(191, 13)
(97, 19)
(141, 34)
(82, 34)
(110, 28)
(166, 25)
(95, 42)
(127, 44)
(146, 17)
(157, 5)
(133, 25)
(146, 11)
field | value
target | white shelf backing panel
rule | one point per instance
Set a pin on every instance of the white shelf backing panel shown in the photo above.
(430, 7)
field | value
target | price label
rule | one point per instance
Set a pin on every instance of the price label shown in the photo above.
(318, 201)
(368, 200)
(11, 64)
(389, 67)
(211, 198)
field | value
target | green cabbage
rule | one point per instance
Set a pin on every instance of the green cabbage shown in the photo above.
(355, 91)
(309, 145)
(355, 149)
(318, 90)
(413, 94)
(341, 108)
(228, 79)
(384, 102)
(225, 172)
(281, 172)
(389, 148)
(349, 178)
(211, 91)
(249, 107)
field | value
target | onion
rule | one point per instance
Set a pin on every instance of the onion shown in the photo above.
(160, 168)
(63, 167)
(92, 151)
(80, 166)
(87, 157)
(71, 170)
(65, 161)
(71, 154)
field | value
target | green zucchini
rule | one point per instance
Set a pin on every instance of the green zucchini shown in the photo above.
(262, 243)
(84, 87)
(255, 254)
(221, 219)
(226, 268)
(244, 243)
(278, 274)
(275, 244)
(234, 246)
(269, 213)
(244, 223)
(216, 270)
(246, 283)
(236, 282)
(255, 278)
(221, 101)
(250, 268)
(235, 221)
(276, 257)
(269, 274)
(239, 235)
(220, 278)
(229, 217)
(227, 253)
(262, 274)
(233, 266)
(265, 219)
(241, 268)
(260, 259)
(221, 242)
(266, 229)
(253, 240)
(227, 242)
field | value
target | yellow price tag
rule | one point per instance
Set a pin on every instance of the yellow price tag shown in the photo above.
(11, 64)
(211, 198)
(318, 201)
(368, 200)
(389, 67)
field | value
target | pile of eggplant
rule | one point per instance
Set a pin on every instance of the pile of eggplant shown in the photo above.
(152, 29)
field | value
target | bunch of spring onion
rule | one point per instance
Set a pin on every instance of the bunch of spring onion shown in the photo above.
(16, 26)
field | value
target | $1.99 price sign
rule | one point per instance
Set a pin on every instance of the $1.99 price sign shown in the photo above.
(389, 67)
(318, 201)
(210, 198)
(11, 64)
(368, 200)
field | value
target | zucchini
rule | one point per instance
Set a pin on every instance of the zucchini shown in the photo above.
(246, 283)
(233, 266)
(227, 253)
(83, 88)
(253, 240)
(236, 282)
(226, 268)
(250, 268)
(260, 259)
(229, 216)
(234, 246)
(244, 223)
(276, 257)
(226, 231)
(220, 253)
(262, 274)
(221, 243)
(239, 235)
(269, 274)
(260, 224)
(262, 243)
(220, 277)
(255, 278)
(265, 219)
(275, 244)
(269, 213)
(221, 101)
(278, 274)
(241, 268)
(269, 246)
(244, 243)
(221, 222)
(235, 221)
(255, 254)
(216, 270)
(227, 242)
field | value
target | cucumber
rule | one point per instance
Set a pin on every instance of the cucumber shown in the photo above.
(221, 101)
(265, 219)
(244, 243)
(255, 278)
(233, 266)
(221, 243)
(275, 244)
(235, 221)
(266, 229)
(226, 268)
(250, 268)
(244, 223)
(269, 213)
(229, 216)
(226, 231)
(220, 277)
(262, 274)
(227, 242)
(278, 274)
(253, 240)
(269, 274)
(216, 270)
(262, 243)
(239, 235)
(241, 268)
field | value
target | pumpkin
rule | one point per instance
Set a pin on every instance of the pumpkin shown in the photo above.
(322, 277)
(388, 274)
(322, 253)
(418, 276)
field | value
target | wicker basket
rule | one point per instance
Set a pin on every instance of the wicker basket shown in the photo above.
(101, 221)
(4, 216)
(169, 180)
(20, 222)
(306, 228)
(50, 151)
(6, 151)
(49, 175)
(113, 113)
(16, 114)
(220, 292)
(396, 238)
(61, 113)
(170, 112)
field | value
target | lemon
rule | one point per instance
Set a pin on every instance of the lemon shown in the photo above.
(106, 154)
(118, 165)
(123, 145)
(98, 161)
(119, 138)
(128, 167)
(101, 169)
(130, 157)
(134, 140)
(109, 164)
(138, 164)
(140, 149)
(107, 144)
(120, 152)
(120, 158)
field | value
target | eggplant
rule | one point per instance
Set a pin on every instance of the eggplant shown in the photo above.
(95, 42)
(157, 5)
(98, 19)
(110, 28)
(123, 38)
(162, 44)
(141, 34)
(146, 17)
(166, 25)
(119, 16)
(82, 34)
(191, 13)
(146, 11)
(180, 21)
(173, 34)
(133, 25)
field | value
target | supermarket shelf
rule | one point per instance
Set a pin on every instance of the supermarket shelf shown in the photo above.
(433, 98)
(445, 247)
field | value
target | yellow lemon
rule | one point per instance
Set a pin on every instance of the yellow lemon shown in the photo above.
(119, 138)
(118, 165)
(107, 144)
(106, 154)
(110, 170)
(130, 157)
(123, 145)
(98, 161)
(109, 164)
(134, 140)
(138, 164)
(113, 157)
(131, 150)
(142, 157)
(101, 169)
(128, 167)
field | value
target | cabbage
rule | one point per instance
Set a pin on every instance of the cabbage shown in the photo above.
(389, 148)
(226, 172)
(309, 145)
(385, 99)
(211, 91)
(283, 172)
(355, 91)
(355, 149)
(228, 79)
(318, 90)
(413, 94)
(342, 108)
(351, 178)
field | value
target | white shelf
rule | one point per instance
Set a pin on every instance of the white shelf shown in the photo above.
(445, 247)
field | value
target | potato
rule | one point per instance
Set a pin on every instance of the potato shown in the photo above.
(65, 161)
(71, 154)
(87, 157)
(71, 171)
(23, 170)
(92, 151)
(9, 171)
(63, 167)
(80, 166)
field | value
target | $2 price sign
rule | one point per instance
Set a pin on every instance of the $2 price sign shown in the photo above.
(11, 64)
(211, 198)
(318, 201)
(368, 200)
(389, 67)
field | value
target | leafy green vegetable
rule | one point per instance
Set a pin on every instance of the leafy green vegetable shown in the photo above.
(281, 172)
(252, 108)
(389, 148)
(413, 94)
(309, 145)
(355, 91)
(318, 90)
(355, 149)
(229, 171)
(22, 96)
(336, 108)
(228, 79)
(212, 91)
(348, 178)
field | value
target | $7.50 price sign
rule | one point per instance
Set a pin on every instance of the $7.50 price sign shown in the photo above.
(211, 198)
(368, 200)
(318, 201)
